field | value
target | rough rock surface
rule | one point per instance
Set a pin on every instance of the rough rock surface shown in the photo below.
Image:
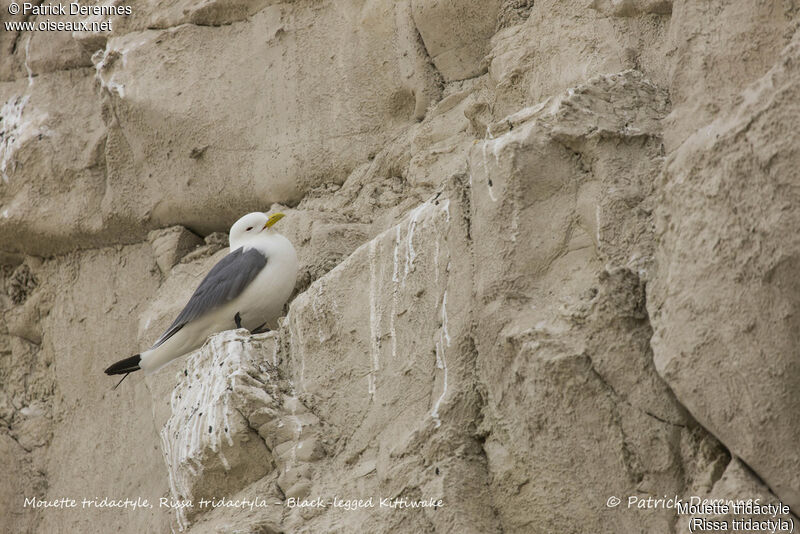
(547, 257)
(727, 198)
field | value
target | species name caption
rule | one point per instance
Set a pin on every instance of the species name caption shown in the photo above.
(390, 503)
(721, 515)
(72, 9)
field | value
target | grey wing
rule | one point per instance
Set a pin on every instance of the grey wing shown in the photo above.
(226, 281)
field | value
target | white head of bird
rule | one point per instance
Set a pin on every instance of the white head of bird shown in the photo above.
(252, 228)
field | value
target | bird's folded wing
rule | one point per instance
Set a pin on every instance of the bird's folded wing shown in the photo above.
(226, 281)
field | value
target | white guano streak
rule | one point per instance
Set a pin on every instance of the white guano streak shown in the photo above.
(441, 361)
(109, 85)
(319, 295)
(444, 334)
(13, 128)
(497, 145)
(298, 430)
(27, 54)
(395, 287)
(299, 345)
(203, 421)
(486, 170)
(410, 252)
(374, 318)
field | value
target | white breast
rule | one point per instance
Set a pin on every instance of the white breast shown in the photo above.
(263, 300)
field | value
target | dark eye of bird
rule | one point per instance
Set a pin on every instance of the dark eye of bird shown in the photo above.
(249, 229)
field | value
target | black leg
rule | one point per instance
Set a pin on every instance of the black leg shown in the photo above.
(238, 320)
(261, 329)
(120, 382)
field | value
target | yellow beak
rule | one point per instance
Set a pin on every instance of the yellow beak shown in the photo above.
(275, 217)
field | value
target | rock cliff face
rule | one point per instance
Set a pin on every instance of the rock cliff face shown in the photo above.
(548, 257)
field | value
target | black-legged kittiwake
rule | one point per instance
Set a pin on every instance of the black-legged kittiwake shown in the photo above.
(245, 289)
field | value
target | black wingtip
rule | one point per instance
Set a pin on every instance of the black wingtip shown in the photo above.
(128, 365)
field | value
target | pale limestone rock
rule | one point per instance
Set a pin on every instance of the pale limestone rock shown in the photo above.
(719, 48)
(15, 517)
(233, 421)
(322, 240)
(402, 368)
(564, 43)
(51, 165)
(209, 447)
(205, 13)
(495, 350)
(24, 321)
(562, 335)
(51, 51)
(383, 84)
(291, 148)
(95, 293)
(172, 244)
(737, 484)
(439, 145)
(456, 34)
(631, 8)
(725, 337)
(12, 66)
